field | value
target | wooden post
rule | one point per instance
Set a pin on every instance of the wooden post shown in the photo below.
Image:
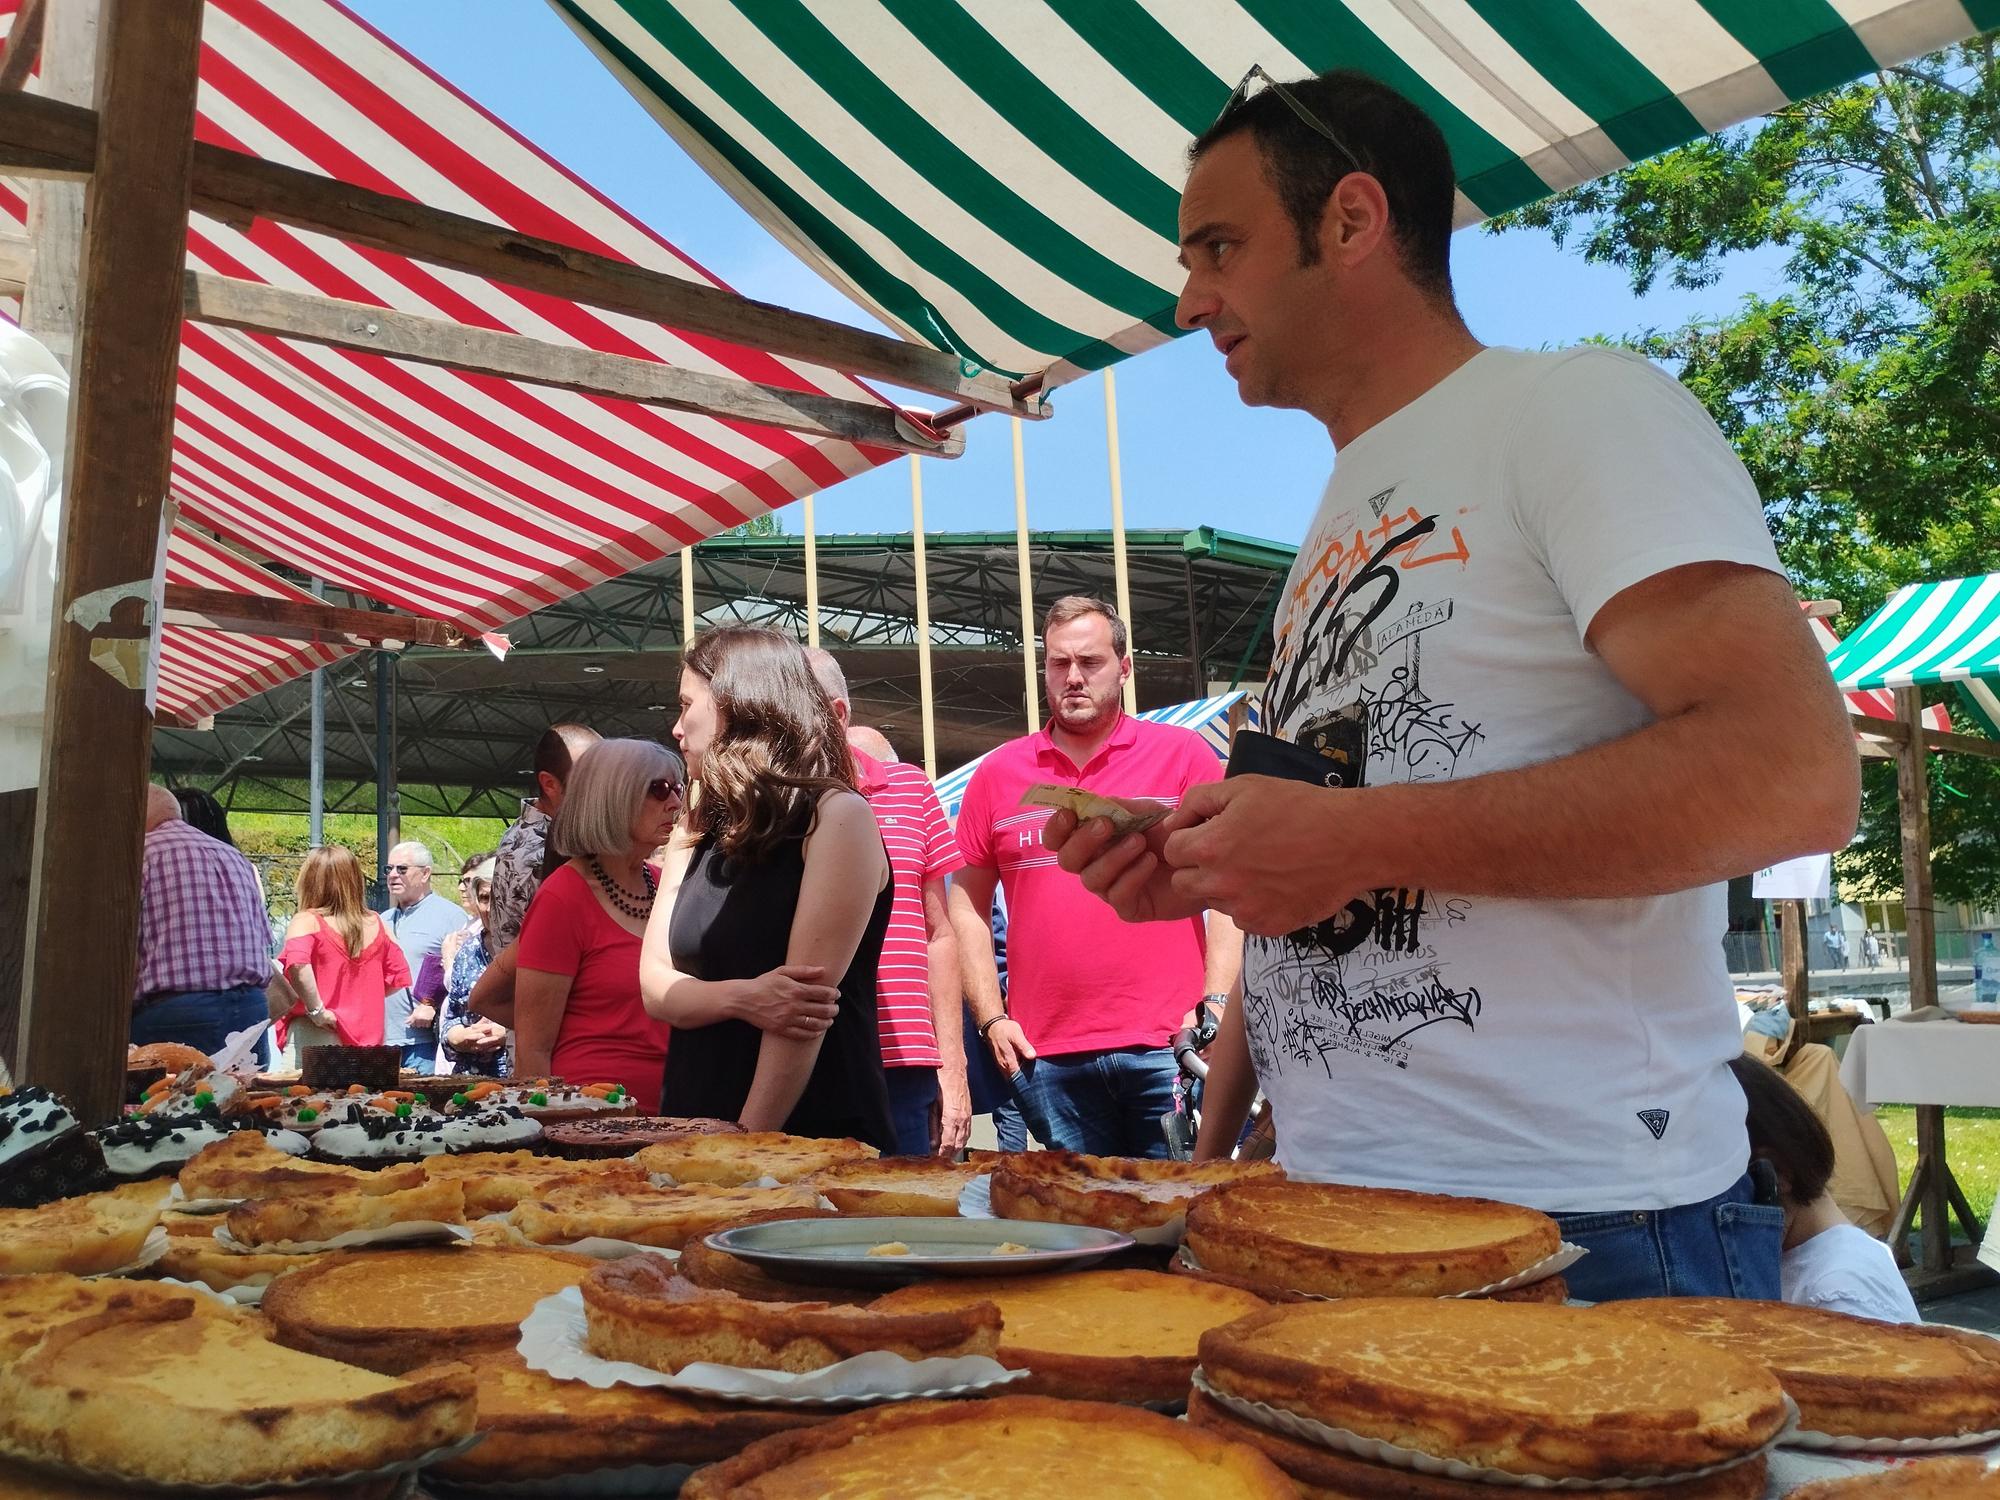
(923, 616)
(1032, 679)
(1792, 969)
(96, 750)
(1913, 798)
(812, 573)
(1120, 573)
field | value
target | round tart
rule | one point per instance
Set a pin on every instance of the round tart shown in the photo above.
(1007, 1448)
(1852, 1377)
(625, 1135)
(171, 1057)
(731, 1160)
(193, 1255)
(19, 1482)
(85, 1235)
(251, 1165)
(666, 1218)
(1338, 1241)
(538, 1427)
(895, 1186)
(1554, 1391)
(324, 1213)
(639, 1311)
(497, 1180)
(155, 1394)
(31, 1305)
(1094, 1335)
(1125, 1193)
(1921, 1479)
(1323, 1473)
(394, 1310)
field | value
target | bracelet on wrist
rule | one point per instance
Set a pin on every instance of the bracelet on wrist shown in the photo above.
(987, 1025)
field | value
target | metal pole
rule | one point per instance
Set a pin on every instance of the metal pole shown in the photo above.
(687, 594)
(1033, 689)
(812, 575)
(387, 824)
(316, 768)
(1118, 567)
(923, 616)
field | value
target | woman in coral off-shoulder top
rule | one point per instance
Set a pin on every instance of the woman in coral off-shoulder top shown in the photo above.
(338, 956)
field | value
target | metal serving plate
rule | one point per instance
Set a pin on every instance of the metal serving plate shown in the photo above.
(837, 1250)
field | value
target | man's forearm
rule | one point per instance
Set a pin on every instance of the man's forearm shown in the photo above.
(947, 1001)
(976, 965)
(1223, 964)
(1663, 809)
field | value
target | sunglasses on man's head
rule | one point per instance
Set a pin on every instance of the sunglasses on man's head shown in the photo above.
(1241, 93)
(663, 790)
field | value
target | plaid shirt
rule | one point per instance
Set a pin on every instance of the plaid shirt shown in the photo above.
(201, 916)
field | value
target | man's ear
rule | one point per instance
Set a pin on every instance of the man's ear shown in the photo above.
(1355, 220)
(547, 785)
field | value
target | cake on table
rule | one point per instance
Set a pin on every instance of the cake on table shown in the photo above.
(1126, 1193)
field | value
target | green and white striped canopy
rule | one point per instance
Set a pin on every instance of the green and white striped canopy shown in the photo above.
(1000, 177)
(1931, 633)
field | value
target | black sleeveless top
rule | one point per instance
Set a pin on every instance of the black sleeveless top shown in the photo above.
(733, 920)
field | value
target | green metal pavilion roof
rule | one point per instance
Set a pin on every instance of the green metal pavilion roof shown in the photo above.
(1928, 634)
(1000, 177)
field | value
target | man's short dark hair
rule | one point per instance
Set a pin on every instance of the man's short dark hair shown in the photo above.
(1395, 142)
(1784, 1130)
(556, 751)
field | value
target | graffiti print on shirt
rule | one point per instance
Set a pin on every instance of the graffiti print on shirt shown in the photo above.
(1366, 981)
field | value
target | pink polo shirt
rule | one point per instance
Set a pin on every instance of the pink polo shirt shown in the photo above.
(1078, 978)
(917, 835)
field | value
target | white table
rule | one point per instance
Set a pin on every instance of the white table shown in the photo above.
(1929, 1064)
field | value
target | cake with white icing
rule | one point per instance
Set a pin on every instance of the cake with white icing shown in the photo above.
(45, 1153)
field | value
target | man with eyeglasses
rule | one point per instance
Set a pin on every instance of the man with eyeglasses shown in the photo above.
(1545, 689)
(419, 919)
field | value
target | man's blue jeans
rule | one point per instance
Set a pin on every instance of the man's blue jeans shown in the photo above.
(199, 1018)
(1102, 1103)
(912, 1092)
(1725, 1247)
(420, 1052)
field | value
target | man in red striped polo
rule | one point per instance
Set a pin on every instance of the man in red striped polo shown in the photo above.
(917, 993)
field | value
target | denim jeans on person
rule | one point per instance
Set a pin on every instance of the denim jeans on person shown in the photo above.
(1102, 1103)
(912, 1092)
(1725, 1247)
(198, 1018)
(420, 1052)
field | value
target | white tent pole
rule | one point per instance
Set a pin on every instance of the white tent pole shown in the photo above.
(923, 615)
(687, 594)
(812, 573)
(1118, 567)
(1032, 688)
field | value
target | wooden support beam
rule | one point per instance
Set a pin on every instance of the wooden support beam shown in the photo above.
(1936, 741)
(96, 749)
(1913, 801)
(24, 44)
(250, 305)
(296, 620)
(40, 138)
(1792, 970)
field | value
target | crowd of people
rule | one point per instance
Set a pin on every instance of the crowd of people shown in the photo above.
(773, 922)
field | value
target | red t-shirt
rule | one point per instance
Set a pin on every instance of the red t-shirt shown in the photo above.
(606, 1035)
(1079, 979)
(918, 837)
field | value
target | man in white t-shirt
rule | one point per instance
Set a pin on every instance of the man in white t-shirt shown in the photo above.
(1539, 634)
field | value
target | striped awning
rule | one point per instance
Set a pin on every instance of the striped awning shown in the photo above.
(1207, 717)
(1000, 177)
(1875, 703)
(465, 498)
(1930, 633)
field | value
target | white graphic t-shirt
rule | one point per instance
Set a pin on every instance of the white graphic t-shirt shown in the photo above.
(1569, 1055)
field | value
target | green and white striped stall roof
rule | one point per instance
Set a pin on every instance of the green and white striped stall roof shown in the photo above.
(1000, 177)
(1930, 633)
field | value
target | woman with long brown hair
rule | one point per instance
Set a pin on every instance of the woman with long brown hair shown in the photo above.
(338, 956)
(762, 949)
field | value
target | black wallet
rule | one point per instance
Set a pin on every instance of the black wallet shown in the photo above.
(1336, 756)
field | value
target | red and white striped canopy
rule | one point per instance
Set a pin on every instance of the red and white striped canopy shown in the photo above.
(1876, 703)
(466, 498)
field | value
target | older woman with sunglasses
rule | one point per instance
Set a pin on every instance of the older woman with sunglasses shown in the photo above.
(577, 1011)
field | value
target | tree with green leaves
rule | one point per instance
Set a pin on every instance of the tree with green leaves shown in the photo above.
(1864, 397)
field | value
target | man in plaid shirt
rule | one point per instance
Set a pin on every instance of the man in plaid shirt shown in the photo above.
(204, 944)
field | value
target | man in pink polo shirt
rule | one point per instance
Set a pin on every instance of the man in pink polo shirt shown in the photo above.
(917, 996)
(1092, 1002)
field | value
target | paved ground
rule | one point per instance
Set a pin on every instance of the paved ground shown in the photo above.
(1978, 1310)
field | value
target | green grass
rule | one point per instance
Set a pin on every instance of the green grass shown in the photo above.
(1972, 1146)
(277, 843)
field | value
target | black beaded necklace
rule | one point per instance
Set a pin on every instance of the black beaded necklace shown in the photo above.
(620, 897)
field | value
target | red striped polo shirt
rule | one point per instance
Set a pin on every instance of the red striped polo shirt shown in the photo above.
(921, 847)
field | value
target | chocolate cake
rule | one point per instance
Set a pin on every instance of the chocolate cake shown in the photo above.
(377, 1068)
(590, 1140)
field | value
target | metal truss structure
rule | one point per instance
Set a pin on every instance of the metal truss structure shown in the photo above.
(1202, 602)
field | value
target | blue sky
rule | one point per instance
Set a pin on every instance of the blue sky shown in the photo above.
(1190, 453)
